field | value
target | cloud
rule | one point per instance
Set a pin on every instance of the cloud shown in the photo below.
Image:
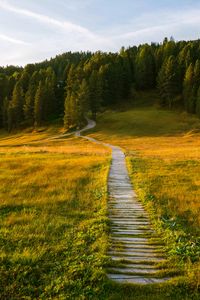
(169, 23)
(12, 40)
(65, 25)
(109, 32)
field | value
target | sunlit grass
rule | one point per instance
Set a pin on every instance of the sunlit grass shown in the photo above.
(163, 156)
(53, 194)
(52, 213)
(166, 146)
(28, 135)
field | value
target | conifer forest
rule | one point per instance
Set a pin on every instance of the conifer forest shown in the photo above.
(71, 84)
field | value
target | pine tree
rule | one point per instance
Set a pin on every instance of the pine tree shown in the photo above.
(50, 101)
(70, 99)
(71, 112)
(169, 85)
(39, 104)
(145, 68)
(30, 98)
(82, 101)
(188, 89)
(16, 106)
(95, 88)
(67, 113)
(126, 76)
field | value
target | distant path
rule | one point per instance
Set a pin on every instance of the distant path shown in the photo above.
(136, 256)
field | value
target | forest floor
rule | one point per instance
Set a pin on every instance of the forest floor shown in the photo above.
(54, 228)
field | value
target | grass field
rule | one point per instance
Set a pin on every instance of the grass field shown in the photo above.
(166, 146)
(53, 198)
(163, 156)
(53, 218)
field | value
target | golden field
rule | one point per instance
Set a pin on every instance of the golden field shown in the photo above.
(165, 146)
(53, 212)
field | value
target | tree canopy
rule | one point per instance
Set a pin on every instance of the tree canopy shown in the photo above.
(71, 84)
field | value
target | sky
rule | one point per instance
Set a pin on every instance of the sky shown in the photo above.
(35, 30)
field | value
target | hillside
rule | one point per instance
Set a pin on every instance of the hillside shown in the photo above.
(54, 225)
(71, 84)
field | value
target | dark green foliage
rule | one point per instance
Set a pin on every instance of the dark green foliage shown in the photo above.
(74, 108)
(49, 102)
(95, 91)
(30, 98)
(83, 100)
(39, 104)
(145, 68)
(15, 110)
(188, 89)
(73, 83)
(169, 83)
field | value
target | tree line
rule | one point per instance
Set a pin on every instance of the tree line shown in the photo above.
(71, 84)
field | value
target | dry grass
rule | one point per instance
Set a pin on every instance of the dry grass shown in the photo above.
(51, 193)
(53, 224)
(163, 156)
(164, 148)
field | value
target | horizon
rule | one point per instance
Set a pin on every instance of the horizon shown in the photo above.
(33, 32)
(92, 52)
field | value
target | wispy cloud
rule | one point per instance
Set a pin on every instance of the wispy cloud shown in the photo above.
(169, 23)
(12, 40)
(65, 25)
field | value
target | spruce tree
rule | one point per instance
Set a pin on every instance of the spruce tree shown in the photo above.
(39, 104)
(82, 101)
(145, 68)
(50, 101)
(169, 84)
(30, 98)
(95, 90)
(16, 106)
(188, 84)
(29, 104)
(67, 112)
(70, 99)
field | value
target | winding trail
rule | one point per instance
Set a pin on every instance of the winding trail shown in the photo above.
(136, 251)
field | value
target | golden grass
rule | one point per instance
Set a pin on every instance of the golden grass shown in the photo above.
(53, 206)
(29, 135)
(163, 151)
(47, 191)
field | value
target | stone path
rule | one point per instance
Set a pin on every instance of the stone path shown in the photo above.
(135, 255)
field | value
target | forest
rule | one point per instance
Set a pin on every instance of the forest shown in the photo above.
(71, 84)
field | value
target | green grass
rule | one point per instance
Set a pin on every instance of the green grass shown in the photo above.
(53, 197)
(163, 157)
(53, 222)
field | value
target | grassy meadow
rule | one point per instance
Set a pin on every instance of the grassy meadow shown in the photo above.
(54, 230)
(163, 155)
(53, 224)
